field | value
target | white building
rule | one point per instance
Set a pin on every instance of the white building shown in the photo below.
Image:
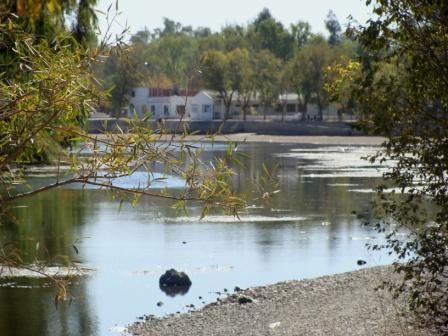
(170, 104)
(207, 105)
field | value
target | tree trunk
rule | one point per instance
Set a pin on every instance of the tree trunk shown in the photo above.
(227, 111)
(319, 107)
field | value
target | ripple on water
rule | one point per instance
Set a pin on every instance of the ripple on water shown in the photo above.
(233, 219)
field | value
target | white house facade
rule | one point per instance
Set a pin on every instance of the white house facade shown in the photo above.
(170, 104)
(207, 105)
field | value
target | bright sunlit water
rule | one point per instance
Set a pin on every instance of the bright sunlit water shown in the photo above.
(309, 230)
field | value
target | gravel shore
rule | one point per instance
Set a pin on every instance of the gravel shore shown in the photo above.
(342, 304)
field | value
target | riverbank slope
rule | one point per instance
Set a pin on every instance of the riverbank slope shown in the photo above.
(343, 304)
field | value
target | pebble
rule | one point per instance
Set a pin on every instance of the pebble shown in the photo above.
(339, 305)
(245, 299)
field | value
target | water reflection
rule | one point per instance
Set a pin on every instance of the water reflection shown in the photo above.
(308, 230)
(28, 308)
(174, 291)
(46, 226)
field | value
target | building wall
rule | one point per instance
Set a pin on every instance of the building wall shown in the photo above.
(201, 107)
(138, 104)
(205, 106)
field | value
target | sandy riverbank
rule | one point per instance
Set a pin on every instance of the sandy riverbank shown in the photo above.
(343, 304)
(252, 137)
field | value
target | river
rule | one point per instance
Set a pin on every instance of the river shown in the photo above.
(308, 230)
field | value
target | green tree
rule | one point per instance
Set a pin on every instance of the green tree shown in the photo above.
(216, 75)
(241, 65)
(334, 28)
(46, 19)
(307, 74)
(401, 89)
(84, 29)
(122, 72)
(301, 33)
(267, 33)
(268, 69)
(176, 54)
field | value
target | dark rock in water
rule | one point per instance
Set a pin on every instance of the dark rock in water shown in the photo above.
(200, 297)
(361, 262)
(173, 283)
(159, 304)
(237, 289)
(245, 299)
(184, 242)
(174, 291)
(173, 278)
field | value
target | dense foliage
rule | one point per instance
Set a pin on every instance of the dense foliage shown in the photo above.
(264, 57)
(401, 85)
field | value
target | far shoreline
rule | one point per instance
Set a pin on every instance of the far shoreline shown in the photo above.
(261, 138)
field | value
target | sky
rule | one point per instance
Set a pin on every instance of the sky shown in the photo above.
(216, 14)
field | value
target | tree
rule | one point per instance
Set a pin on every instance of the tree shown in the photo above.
(308, 72)
(84, 29)
(142, 37)
(284, 88)
(268, 69)
(401, 89)
(267, 33)
(334, 28)
(301, 33)
(121, 72)
(174, 53)
(216, 75)
(46, 19)
(242, 67)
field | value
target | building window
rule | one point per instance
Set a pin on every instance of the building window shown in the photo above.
(180, 109)
(290, 108)
(166, 110)
(194, 108)
(206, 108)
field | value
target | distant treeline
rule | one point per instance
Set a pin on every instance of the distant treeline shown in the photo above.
(263, 57)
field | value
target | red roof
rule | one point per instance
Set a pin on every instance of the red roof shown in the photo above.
(156, 92)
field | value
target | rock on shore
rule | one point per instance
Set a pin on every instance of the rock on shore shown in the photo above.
(342, 304)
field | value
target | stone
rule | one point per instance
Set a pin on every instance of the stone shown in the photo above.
(245, 299)
(361, 262)
(274, 325)
(173, 282)
(173, 278)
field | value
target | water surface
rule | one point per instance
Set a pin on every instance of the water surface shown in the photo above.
(308, 230)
